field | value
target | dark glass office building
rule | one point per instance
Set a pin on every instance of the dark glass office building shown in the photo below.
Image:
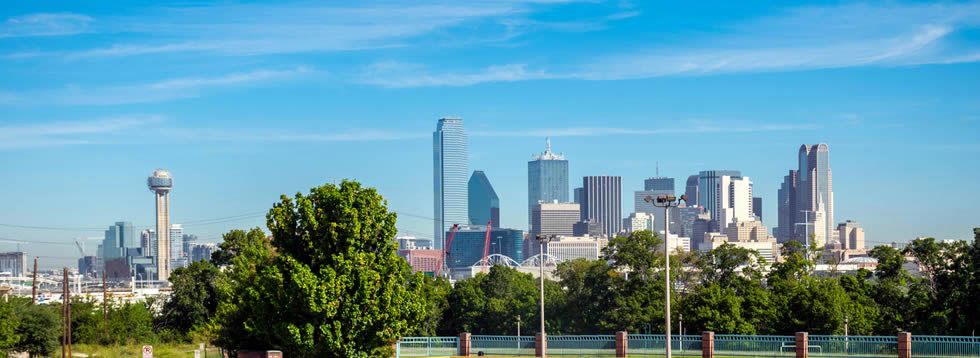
(483, 202)
(467, 247)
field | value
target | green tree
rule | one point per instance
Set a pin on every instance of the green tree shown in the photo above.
(8, 328)
(86, 322)
(252, 245)
(435, 291)
(336, 287)
(196, 292)
(131, 323)
(39, 330)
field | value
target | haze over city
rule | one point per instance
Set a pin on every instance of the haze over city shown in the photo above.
(284, 98)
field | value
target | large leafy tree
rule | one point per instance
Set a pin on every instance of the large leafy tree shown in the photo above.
(336, 287)
(197, 291)
(39, 330)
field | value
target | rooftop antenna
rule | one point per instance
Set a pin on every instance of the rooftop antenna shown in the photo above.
(547, 144)
(658, 169)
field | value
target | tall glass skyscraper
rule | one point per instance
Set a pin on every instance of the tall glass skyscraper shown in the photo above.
(691, 191)
(547, 179)
(603, 202)
(815, 188)
(483, 202)
(708, 190)
(450, 171)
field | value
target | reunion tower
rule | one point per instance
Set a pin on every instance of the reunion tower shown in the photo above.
(160, 183)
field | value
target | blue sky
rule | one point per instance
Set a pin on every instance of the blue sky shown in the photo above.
(245, 101)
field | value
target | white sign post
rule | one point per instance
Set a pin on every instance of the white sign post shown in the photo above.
(197, 353)
(147, 351)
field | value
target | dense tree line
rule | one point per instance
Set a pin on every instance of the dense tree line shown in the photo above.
(327, 283)
(725, 290)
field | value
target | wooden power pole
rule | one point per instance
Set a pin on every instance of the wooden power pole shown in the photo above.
(64, 314)
(34, 285)
(105, 310)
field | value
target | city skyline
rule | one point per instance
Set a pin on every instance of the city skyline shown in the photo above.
(108, 94)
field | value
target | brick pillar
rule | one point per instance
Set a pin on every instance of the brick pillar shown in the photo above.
(394, 350)
(905, 345)
(707, 344)
(622, 345)
(540, 345)
(464, 345)
(802, 344)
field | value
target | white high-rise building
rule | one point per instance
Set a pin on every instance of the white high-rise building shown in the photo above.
(450, 178)
(639, 222)
(554, 218)
(734, 199)
(160, 183)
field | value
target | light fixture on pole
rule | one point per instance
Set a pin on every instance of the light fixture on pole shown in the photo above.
(542, 240)
(666, 202)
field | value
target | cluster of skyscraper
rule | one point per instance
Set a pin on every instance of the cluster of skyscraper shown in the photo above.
(155, 252)
(720, 208)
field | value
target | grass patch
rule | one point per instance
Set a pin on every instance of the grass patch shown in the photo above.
(159, 350)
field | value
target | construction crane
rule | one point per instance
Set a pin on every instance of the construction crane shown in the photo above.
(486, 245)
(445, 251)
(81, 248)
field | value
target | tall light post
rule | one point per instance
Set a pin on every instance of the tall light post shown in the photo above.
(518, 334)
(542, 240)
(846, 343)
(666, 202)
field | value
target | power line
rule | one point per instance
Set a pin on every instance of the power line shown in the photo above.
(52, 228)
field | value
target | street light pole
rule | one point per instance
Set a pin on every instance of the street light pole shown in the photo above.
(518, 334)
(541, 241)
(666, 202)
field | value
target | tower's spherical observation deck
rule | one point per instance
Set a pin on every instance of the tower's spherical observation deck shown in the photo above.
(160, 181)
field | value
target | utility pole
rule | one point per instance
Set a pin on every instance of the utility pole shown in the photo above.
(105, 310)
(34, 285)
(65, 312)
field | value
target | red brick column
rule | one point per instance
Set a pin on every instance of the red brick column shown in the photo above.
(622, 345)
(802, 344)
(707, 344)
(540, 345)
(464, 344)
(905, 345)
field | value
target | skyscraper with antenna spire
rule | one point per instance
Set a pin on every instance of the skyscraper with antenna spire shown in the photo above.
(547, 179)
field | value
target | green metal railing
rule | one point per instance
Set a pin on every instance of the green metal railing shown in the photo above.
(689, 346)
(653, 345)
(853, 346)
(582, 346)
(427, 347)
(945, 346)
(502, 345)
(754, 346)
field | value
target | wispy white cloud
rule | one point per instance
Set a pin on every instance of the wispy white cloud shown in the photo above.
(159, 91)
(803, 39)
(280, 135)
(76, 132)
(401, 75)
(257, 29)
(45, 24)
(685, 127)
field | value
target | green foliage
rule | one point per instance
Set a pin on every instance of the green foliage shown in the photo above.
(336, 287)
(435, 292)
(131, 323)
(39, 329)
(196, 291)
(8, 328)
